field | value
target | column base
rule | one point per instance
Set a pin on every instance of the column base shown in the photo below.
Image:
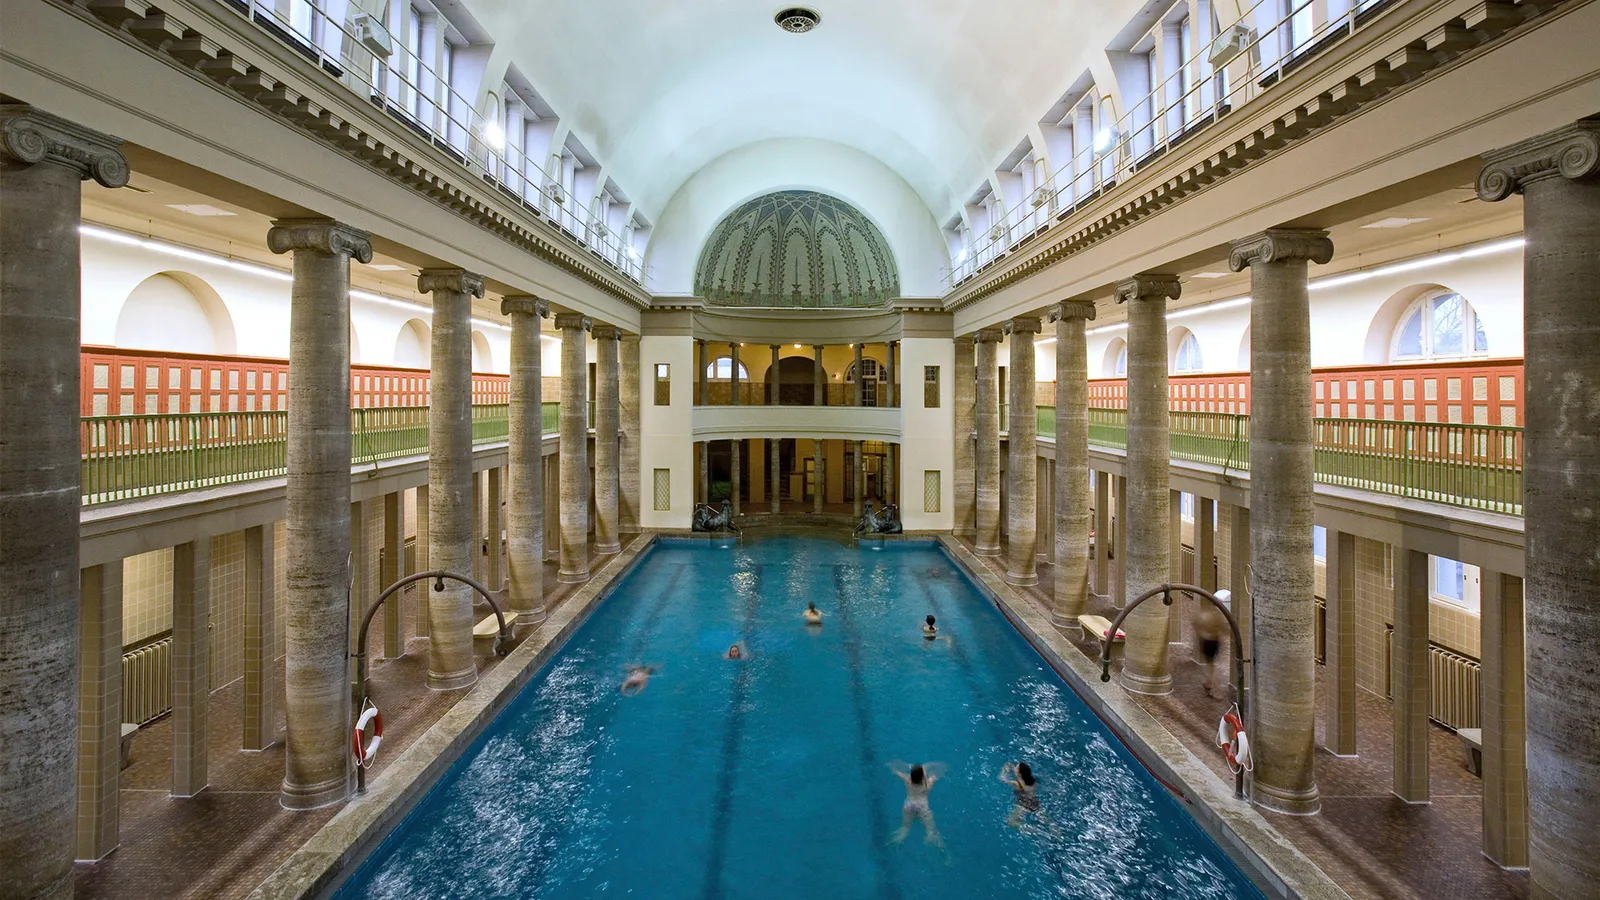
(1021, 579)
(304, 797)
(986, 551)
(1139, 684)
(1281, 800)
(449, 681)
(1063, 621)
(608, 548)
(526, 617)
(573, 577)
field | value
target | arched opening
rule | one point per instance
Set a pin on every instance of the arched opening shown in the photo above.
(175, 311)
(797, 377)
(1183, 352)
(721, 369)
(1244, 350)
(413, 348)
(1440, 324)
(482, 355)
(356, 355)
(1115, 364)
(872, 376)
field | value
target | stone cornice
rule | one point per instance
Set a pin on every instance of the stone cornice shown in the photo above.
(573, 320)
(452, 280)
(987, 336)
(1277, 244)
(1073, 309)
(31, 136)
(605, 332)
(1266, 126)
(1022, 325)
(1140, 287)
(232, 55)
(319, 236)
(525, 305)
(1572, 152)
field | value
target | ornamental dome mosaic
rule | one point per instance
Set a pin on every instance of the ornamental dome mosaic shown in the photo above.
(796, 249)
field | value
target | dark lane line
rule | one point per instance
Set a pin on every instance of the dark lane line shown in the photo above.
(652, 619)
(722, 810)
(877, 802)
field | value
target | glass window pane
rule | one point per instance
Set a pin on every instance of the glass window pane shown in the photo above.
(1448, 576)
(1319, 542)
(1480, 341)
(1410, 341)
(1447, 325)
(1122, 361)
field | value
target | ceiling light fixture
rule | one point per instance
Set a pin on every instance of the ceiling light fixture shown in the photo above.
(1394, 222)
(1210, 275)
(797, 19)
(386, 267)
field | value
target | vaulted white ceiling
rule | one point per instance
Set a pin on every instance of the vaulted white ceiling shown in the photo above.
(939, 92)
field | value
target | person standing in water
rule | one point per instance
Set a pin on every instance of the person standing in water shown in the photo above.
(813, 617)
(929, 629)
(1026, 789)
(919, 781)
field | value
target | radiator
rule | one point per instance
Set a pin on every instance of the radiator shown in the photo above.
(1454, 680)
(147, 682)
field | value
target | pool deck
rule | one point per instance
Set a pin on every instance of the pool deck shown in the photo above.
(1368, 841)
(230, 838)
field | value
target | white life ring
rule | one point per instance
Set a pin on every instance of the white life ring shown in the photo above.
(365, 752)
(1234, 742)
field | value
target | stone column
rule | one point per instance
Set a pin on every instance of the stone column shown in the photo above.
(525, 450)
(1022, 512)
(987, 352)
(43, 159)
(1558, 175)
(1239, 572)
(891, 473)
(1072, 461)
(394, 547)
(552, 508)
(260, 638)
(480, 546)
(1102, 530)
(820, 376)
(702, 376)
(629, 475)
(1283, 605)
(574, 449)
(861, 473)
(1340, 636)
(317, 510)
(605, 439)
(1408, 673)
(705, 472)
(733, 374)
(1146, 526)
(858, 378)
(420, 548)
(819, 476)
(734, 446)
(191, 665)
(890, 377)
(1205, 543)
(452, 524)
(1505, 774)
(1175, 565)
(775, 474)
(963, 399)
(1119, 530)
(774, 382)
(99, 710)
(493, 497)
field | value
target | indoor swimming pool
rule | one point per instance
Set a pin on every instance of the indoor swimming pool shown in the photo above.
(770, 776)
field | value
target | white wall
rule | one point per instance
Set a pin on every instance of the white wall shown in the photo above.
(926, 443)
(800, 164)
(667, 440)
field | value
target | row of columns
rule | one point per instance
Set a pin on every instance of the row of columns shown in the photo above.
(858, 473)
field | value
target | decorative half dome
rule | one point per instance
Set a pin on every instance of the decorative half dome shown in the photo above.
(797, 249)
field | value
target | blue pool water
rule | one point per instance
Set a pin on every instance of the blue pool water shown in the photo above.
(769, 778)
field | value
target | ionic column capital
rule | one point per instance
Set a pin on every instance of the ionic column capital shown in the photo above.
(605, 332)
(627, 338)
(319, 236)
(1022, 325)
(987, 336)
(1073, 309)
(525, 305)
(1279, 244)
(1146, 286)
(573, 320)
(29, 136)
(1572, 152)
(458, 281)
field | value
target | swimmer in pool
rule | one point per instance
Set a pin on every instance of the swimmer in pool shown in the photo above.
(734, 652)
(930, 630)
(812, 616)
(1026, 788)
(919, 781)
(638, 679)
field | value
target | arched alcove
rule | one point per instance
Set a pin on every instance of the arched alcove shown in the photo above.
(1183, 352)
(1380, 331)
(1244, 350)
(482, 354)
(797, 376)
(356, 356)
(175, 311)
(413, 348)
(1115, 363)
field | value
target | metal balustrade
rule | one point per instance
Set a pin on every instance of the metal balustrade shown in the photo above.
(1473, 466)
(126, 457)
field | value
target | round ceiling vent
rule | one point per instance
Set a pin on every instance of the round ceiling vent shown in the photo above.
(797, 19)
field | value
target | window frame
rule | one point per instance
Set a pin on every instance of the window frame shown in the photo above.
(1471, 324)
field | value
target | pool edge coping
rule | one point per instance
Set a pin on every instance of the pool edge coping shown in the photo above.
(1272, 862)
(319, 866)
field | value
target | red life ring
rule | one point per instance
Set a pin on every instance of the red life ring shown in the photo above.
(1234, 742)
(365, 752)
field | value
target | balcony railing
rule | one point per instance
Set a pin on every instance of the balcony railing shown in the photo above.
(721, 393)
(1473, 466)
(126, 457)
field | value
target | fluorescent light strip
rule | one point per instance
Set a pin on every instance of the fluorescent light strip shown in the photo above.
(128, 240)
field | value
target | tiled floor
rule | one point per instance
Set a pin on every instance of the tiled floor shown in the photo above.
(1369, 841)
(225, 841)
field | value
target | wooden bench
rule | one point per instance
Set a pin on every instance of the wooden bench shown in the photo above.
(1097, 627)
(1472, 740)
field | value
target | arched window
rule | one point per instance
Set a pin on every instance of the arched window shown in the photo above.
(1115, 362)
(721, 369)
(1187, 358)
(175, 311)
(1122, 362)
(873, 374)
(1439, 326)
